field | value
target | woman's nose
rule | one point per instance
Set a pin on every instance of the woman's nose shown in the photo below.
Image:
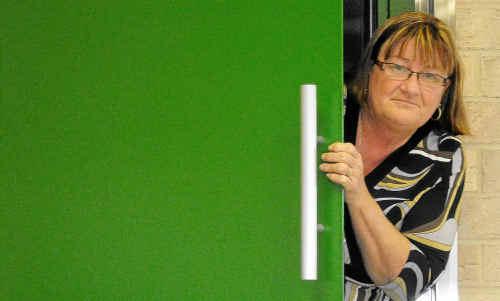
(411, 84)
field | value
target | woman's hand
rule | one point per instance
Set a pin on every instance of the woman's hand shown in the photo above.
(343, 165)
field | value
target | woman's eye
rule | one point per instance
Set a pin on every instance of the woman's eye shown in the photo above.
(398, 68)
(430, 77)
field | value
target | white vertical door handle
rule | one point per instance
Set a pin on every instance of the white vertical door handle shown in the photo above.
(309, 238)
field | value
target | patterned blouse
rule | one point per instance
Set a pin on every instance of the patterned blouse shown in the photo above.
(418, 188)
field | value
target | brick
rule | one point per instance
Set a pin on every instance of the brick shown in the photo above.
(473, 171)
(479, 217)
(491, 271)
(472, 156)
(490, 74)
(469, 276)
(471, 64)
(491, 166)
(469, 263)
(464, 33)
(469, 253)
(483, 118)
(479, 294)
(472, 179)
(477, 24)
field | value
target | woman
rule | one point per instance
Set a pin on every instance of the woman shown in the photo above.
(402, 167)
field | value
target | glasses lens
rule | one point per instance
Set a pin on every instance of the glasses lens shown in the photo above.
(431, 79)
(397, 71)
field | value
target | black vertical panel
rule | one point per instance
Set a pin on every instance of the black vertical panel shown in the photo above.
(357, 14)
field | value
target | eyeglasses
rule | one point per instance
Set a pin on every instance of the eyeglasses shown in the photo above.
(398, 72)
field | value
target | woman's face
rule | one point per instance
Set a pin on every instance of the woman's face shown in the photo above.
(405, 104)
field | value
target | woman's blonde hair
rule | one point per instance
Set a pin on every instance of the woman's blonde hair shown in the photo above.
(434, 41)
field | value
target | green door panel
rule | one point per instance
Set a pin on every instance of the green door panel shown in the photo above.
(150, 149)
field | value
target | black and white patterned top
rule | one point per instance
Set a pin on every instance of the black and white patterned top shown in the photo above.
(418, 188)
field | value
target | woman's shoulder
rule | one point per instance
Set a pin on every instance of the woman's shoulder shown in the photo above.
(445, 148)
(438, 140)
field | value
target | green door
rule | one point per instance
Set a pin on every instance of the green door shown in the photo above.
(150, 150)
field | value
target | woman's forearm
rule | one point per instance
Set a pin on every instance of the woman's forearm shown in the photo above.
(384, 249)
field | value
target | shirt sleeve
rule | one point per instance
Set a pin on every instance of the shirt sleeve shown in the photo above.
(431, 228)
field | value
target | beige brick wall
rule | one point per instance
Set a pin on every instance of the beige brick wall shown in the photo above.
(478, 38)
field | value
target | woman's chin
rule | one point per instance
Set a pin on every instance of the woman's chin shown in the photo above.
(405, 119)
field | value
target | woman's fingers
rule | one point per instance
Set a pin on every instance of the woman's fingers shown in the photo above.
(337, 157)
(339, 168)
(334, 157)
(348, 148)
(341, 157)
(339, 173)
(339, 178)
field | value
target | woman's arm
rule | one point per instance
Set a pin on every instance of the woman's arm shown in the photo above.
(403, 264)
(384, 249)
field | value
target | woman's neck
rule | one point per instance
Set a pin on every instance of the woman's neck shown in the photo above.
(376, 140)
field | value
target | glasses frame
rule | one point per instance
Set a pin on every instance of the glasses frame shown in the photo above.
(444, 83)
